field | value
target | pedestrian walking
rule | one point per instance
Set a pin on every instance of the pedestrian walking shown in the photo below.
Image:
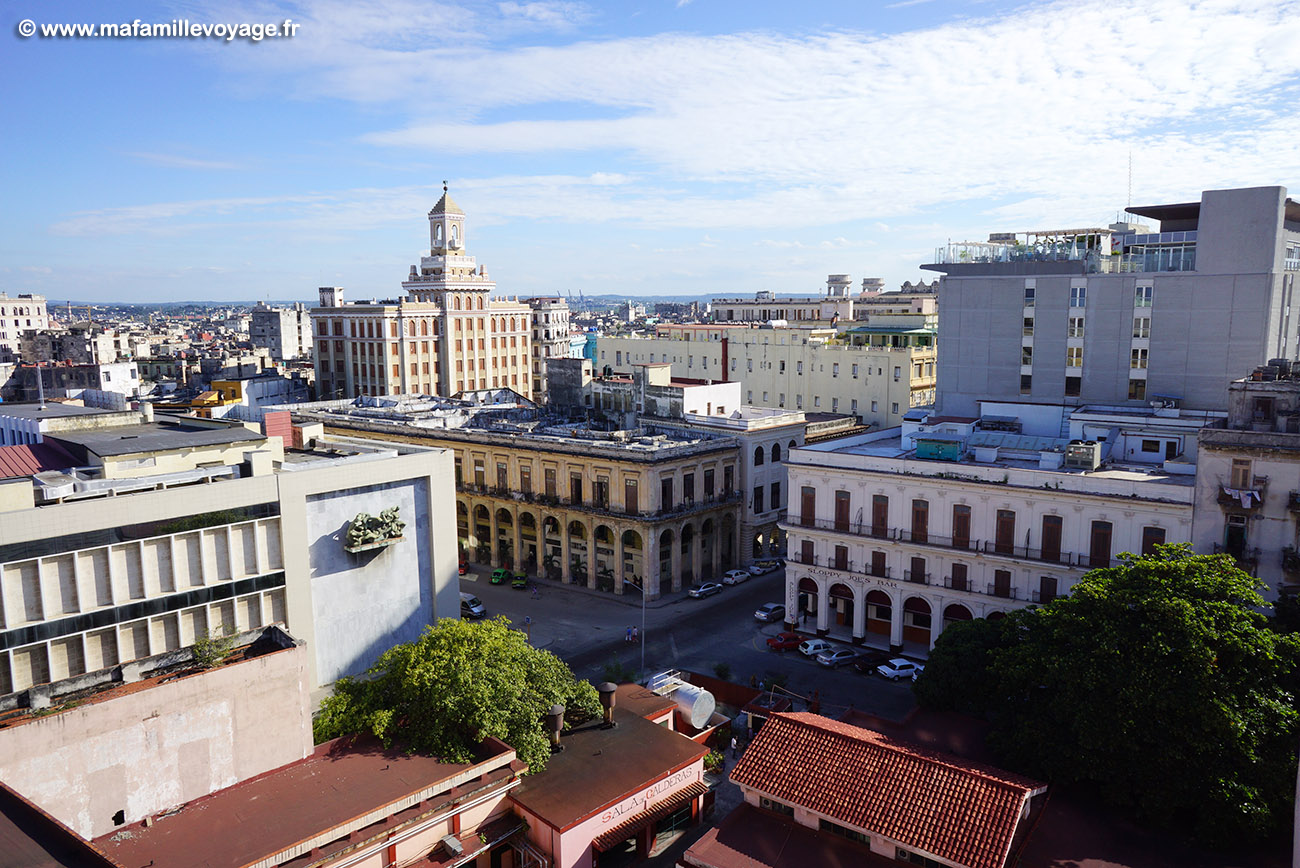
(733, 747)
(628, 637)
(760, 684)
(636, 635)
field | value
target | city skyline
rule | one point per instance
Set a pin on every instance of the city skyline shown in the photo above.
(657, 149)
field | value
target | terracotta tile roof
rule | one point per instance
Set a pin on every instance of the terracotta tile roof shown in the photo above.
(750, 837)
(34, 458)
(948, 807)
(635, 823)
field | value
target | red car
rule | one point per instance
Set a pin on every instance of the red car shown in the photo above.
(462, 568)
(785, 641)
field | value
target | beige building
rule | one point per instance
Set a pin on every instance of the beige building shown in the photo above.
(875, 372)
(122, 538)
(447, 335)
(835, 304)
(567, 502)
(550, 338)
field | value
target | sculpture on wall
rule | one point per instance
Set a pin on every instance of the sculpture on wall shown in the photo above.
(367, 531)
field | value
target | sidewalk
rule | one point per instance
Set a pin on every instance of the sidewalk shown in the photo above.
(630, 596)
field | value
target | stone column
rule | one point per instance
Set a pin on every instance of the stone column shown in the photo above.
(618, 561)
(859, 616)
(566, 576)
(697, 555)
(650, 563)
(518, 551)
(823, 609)
(714, 545)
(896, 624)
(936, 621)
(495, 556)
(591, 553)
(675, 557)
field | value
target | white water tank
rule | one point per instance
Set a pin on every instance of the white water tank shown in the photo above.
(696, 703)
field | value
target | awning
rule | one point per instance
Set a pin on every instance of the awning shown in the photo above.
(629, 827)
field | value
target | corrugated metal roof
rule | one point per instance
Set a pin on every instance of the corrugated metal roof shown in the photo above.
(28, 460)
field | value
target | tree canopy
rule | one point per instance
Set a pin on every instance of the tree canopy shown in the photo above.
(1156, 684)
(458, 683)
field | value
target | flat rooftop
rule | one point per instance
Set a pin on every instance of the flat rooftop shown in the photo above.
(51, 410)
(157, 437)
(600, 767)
(318, 799)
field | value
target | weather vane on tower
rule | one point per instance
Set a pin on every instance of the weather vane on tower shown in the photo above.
(444, 186)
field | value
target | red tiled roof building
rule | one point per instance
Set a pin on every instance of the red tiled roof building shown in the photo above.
(872, 800)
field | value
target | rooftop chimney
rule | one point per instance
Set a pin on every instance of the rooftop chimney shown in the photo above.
(554, 724)
(607, 691)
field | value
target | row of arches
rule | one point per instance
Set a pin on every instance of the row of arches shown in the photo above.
(773, 454)
(597, 552)
(899, 615)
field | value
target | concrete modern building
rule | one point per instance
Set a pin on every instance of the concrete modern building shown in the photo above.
(24, 313)
(447, 335)
(563, 499)
(1128, 314)
(895, 534)
(285, 332)
(29, 382)
(1248, 479)
(122, 538)
(550, 338)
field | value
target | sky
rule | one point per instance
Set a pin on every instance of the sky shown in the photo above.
(656, 148)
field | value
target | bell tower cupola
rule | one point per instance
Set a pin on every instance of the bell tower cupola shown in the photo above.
(446, 227)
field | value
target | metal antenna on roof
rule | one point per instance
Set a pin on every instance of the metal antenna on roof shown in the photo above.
(1129, 203)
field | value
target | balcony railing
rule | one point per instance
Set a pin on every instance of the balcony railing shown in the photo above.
(957, 584)
(683, 508)
(1040, 597)
(934, 540)
(1248, 497)
(1007, 593)
(916, 577)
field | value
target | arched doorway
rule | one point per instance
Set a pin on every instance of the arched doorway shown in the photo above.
(808, 596)
(551, 543)
(528, 539)
(505, 538)
(482, 535)
(728, 542)
(578, 551)
(604, 558)
(841, 605)
(633, 566)
(707, 548)
(666, 557)
(462, 531)
(995, 616)
(880, 613)
(687, 546)
(916, 621)
(955, 612)
(758, 546)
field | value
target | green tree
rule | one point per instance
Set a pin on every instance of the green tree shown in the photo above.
(458, 683)
(957, 676)
(1158, 685)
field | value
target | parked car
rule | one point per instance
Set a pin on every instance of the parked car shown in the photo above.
(500, 576)
(813, 647)
(784, 641)
(472, 607)
(762, 568)
(867, 661)
(704, 589)
(519, 581)
(462, 568)
(920, 667)
(735, 577)
(897, 668)
(837, 658)
(769, 612)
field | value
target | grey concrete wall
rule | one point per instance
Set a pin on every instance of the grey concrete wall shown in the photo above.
(364, 603)
(146, 751)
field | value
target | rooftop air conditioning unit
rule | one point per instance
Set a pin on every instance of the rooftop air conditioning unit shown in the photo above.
(1082, 455)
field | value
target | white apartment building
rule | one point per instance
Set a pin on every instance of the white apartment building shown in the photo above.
(446, 336)
(895, 534)
(24, 313)
(550, 338)
(285, 332)
(122, 538)
(835, 304)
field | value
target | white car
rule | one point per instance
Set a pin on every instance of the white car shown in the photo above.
(813, 647)
(735, 577)
(898, 668)
(761, 568)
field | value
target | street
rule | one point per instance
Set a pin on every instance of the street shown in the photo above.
(587, 629)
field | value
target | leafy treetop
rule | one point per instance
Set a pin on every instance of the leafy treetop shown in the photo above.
(457, 684)
(1156, 684)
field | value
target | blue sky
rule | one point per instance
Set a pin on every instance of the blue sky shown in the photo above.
(642, 148)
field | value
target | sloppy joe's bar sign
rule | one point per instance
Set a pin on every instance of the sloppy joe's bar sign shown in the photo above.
(638, 802)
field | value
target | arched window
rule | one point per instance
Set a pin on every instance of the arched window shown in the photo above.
(411, 329)
(455, 302)
(437, 235)
(480, 302)
(758, 456)
(455, 234)
(424, 327)
(776, 452)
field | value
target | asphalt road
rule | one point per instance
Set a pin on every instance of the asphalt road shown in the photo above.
(588, 629)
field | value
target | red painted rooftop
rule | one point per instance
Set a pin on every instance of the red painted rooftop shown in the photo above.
(750, 837)
(33, 458)
(958, 810)
(250, 821)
